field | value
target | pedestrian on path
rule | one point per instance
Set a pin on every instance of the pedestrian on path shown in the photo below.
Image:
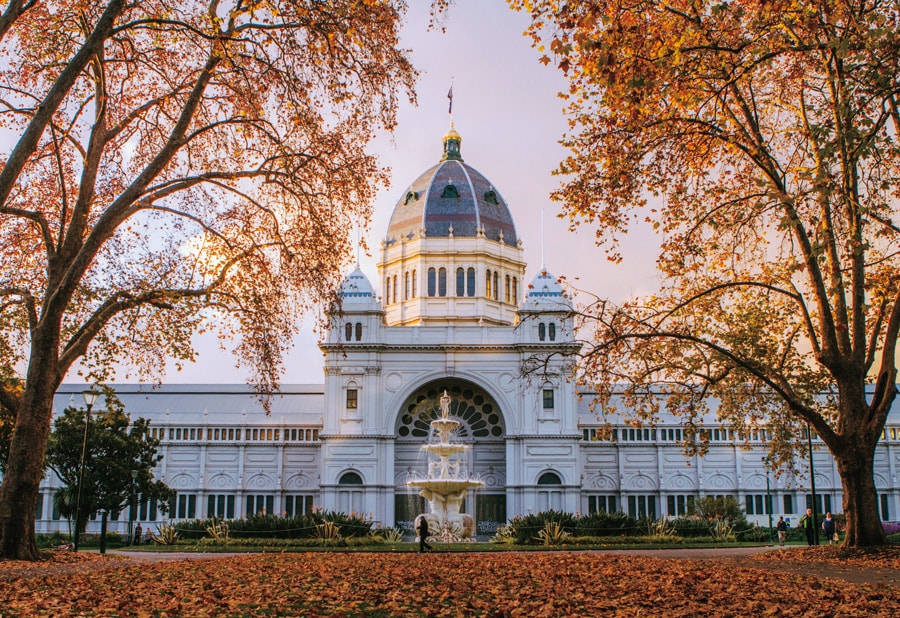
(781, 527)
(809, 527)
(829, 528)
(423, 534)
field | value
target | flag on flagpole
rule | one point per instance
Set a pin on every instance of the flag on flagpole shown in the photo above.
(450, 96)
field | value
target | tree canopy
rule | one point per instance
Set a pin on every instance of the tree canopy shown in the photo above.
(179, 166)
(759, 139)
(115, 446)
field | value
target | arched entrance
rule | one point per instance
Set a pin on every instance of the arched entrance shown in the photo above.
(482, 428)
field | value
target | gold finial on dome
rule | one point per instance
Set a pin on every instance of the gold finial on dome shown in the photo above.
(452, 134)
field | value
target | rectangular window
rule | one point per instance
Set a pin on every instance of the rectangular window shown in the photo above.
(187, 507)
(679, 505)
(298, 505)
(220, 505)
(39, 507)
(597, 504)
(789, 505)
(885, 511)
(260, 505)
(642, 506)
(352, 401)
(548, 398)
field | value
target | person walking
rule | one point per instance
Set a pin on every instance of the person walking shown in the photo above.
(137, 534)
(423, 534)
(809, 527)
(829, 528)
(781, 528)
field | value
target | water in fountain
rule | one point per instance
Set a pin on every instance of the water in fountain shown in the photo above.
(446, 482)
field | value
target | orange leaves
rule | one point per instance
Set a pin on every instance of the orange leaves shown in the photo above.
(500, 584)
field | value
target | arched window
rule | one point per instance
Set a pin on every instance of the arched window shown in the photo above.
(350, 493)
(387, 291)
(352, 478)
(358, 331)
(442, 282)
(549, 478)
(496, 285)
(460, 281)
(470, 282)
(507, 288)
(549, 496)
(542, 331)
(432, 282)
(414, 286)
(406, 286)
(450, 191)
(487, 284)
(515, 290)
(348, 331)
(551, 331)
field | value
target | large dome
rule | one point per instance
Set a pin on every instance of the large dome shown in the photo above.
(452, 198)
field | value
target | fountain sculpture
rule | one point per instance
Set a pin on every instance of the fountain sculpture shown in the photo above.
(446, 483)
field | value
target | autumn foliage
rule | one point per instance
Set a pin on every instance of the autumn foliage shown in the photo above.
(759, 140)
(469, 584)
(177, 166)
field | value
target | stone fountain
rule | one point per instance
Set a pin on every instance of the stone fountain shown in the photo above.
(446, 483)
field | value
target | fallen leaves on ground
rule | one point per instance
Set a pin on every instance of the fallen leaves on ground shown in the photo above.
(470, 584)
(58, 562)
(836, 555)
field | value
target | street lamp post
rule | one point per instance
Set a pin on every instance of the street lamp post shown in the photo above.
(132, 509)
(90, 398)
(812, 485)
(768, 500)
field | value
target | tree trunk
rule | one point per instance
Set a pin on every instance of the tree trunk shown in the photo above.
(25, 468)
(856, 467)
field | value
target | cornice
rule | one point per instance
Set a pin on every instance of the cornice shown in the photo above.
(336, 436)
(521, 437)
(518, 347)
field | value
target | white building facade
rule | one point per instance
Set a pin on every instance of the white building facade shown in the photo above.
(454, 314)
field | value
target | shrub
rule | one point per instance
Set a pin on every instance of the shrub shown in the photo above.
(723, 507)
(691, 527)
(167, 535)
(608, 524)
(756, 534)
(527, 528)
(275, 527)
(552, 534)
(388, 535)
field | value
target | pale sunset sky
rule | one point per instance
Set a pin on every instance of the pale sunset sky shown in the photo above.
(506, 109)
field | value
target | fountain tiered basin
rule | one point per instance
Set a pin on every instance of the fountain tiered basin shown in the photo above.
(446, 483)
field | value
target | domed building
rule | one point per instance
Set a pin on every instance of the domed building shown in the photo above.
(451, 311)
(453, 315)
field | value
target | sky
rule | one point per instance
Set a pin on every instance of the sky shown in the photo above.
(507, 110)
